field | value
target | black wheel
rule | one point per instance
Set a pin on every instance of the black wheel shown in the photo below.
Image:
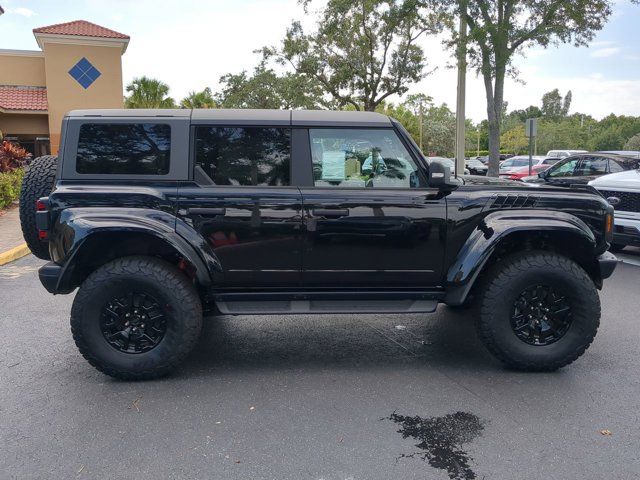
(616, 247)
(136, 318)
(539, 311)
(37, 182)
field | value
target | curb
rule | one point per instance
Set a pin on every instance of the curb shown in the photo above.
(14, 254)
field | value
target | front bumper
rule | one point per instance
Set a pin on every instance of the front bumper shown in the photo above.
(608, 263)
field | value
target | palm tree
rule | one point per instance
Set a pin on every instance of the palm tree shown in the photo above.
(148, 93)
(203, 99)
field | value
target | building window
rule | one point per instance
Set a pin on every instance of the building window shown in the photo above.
(124, 149)
(244, 156)
(84, 73)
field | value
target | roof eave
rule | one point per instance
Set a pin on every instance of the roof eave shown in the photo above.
(43, 38)
(22, 112)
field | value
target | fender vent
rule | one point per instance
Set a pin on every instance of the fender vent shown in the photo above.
(514, 201)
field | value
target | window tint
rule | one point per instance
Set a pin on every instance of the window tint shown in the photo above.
(615, 167)
(244, 156)
(592, 166)
(361, 158)
(124, 149)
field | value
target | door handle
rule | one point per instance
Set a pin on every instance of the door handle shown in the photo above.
(207, 211)
(330, 212)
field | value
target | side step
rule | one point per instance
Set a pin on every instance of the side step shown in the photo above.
(326, 302)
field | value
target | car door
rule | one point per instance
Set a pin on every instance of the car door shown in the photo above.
(590, 167)
(562, 174)
(242, 204)
(369, 218)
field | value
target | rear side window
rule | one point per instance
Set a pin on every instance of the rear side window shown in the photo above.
(124, 149)
(257, 156)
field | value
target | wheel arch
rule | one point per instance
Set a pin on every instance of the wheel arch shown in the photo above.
(502, 233)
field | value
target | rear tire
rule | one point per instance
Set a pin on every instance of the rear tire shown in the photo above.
(539, 311)
(136, 318)
(37, 182)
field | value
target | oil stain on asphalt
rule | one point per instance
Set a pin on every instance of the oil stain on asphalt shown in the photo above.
(441, 440)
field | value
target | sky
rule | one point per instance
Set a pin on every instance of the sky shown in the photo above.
(189, 44)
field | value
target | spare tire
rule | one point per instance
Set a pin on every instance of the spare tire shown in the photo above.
(37, 182)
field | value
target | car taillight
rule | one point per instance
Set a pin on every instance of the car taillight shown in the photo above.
(42, 218)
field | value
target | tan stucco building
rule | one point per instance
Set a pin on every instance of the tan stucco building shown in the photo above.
(79, 65)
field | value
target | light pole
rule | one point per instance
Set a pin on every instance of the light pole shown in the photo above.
(460, 104)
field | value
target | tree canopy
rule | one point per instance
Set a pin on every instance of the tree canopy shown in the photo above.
(362, 51)
(203, 99)
(145, 92)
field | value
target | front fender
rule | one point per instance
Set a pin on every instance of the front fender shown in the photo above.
(496, 227)
(75, 227)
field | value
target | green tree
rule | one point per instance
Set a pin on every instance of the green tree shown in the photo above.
(554, 106)
(500, 29)
(633, 143)
(265, 89)
(145, 92)
(515, 141)
(203, 99)
(362, 51)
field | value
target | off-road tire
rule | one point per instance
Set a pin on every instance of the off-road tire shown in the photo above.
(37, 182)
(503, 284)
(182, 308)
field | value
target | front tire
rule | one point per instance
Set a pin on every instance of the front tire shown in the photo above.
(136, 318)
(539, 311)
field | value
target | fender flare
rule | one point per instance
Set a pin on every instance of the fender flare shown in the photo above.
(77, 226)
(495, 228)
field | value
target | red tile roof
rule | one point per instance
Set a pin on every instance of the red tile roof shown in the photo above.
(80, 28)
(14, 97)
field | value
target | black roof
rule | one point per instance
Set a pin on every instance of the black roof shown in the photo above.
(249, 116)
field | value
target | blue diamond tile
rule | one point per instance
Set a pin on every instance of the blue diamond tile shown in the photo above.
(84, 73)
(84, 64)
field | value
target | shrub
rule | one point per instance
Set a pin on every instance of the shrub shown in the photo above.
(10, 183)
(633, 143)
(12, 157)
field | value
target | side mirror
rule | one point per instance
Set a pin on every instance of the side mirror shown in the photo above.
(439, 174)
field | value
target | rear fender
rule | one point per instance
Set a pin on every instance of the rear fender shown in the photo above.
(78, 231)
(495, 229)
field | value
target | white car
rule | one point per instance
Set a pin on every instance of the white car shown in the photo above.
(563, 153)
(622, 190)
(520, 161)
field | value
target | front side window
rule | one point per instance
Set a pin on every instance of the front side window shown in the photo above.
(565, 169)
(244, 156)
(361, 158)
(124, 149)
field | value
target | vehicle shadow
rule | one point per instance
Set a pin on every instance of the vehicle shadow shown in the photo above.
(446, 340)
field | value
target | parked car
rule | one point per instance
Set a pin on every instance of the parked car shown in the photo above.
(624, 153)
(450, 163)
(581, 169)
(564, 153)
(476, 167)
(622, 190)
(518, 174)
(519, 162)
(158, 215)
(485, 159)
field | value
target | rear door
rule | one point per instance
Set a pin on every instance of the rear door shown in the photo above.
(369, 218)
(242, 203)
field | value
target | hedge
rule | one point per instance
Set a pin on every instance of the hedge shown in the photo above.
(10, 183)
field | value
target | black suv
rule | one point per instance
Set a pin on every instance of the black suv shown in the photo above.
(159, 215)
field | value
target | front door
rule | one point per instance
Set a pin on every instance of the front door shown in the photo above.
(243, 205)
(370, 219)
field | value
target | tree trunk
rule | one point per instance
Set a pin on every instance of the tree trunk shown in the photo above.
(495, 96)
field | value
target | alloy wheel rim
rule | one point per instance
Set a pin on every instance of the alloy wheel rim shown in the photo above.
(541, 315)
(133, 323)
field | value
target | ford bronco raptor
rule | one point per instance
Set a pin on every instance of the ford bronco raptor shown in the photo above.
(157, 215)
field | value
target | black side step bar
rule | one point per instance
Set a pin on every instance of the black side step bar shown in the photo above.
(270, 303)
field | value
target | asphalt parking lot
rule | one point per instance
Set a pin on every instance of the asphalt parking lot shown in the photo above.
(318, 397)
